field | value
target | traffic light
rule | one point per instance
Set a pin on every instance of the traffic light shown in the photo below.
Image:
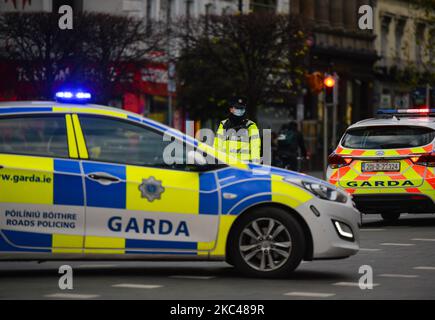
(315, 82)
(329, 83)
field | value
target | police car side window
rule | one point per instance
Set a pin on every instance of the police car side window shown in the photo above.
(34, 135)
(117, 141)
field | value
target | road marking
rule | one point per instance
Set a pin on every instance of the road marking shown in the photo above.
(97, 266)
(71, 296)
(422, 239)
(372, 229)
(397, 244)
(424, 268)
(193, 277)
(351, 284)
(369, 249)
(309, 294)
(390, 275)
(136, 286)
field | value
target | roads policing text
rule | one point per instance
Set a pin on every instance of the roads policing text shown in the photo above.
(41, 219)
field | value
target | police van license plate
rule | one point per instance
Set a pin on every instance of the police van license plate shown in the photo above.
(380, 166)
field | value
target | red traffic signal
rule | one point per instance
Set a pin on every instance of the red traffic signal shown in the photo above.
(330, 86)
(329, 82)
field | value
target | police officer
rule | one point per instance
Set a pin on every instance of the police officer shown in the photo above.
(237, 135)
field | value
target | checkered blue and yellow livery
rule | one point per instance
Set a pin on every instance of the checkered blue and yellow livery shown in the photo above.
(79, 181)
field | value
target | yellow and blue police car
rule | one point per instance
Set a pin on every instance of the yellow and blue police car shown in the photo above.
(80, 181)
(388, 163)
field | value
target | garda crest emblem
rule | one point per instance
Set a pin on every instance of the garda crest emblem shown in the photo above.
(151, 189)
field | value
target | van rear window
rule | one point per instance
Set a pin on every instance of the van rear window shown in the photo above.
(387, 137)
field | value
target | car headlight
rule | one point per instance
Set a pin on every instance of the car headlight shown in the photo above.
(343, 230)
(321, 190)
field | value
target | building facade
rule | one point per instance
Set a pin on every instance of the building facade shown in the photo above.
(154, 9)
(154, 100)
(368, 63)
(403, 45)
(338, 46)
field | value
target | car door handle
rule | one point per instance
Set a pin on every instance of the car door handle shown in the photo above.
(103, 178)
(1, 167)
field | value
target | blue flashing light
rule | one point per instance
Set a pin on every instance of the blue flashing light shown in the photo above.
(73, 96)
(403, 112)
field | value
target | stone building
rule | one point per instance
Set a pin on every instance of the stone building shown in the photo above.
(337, 45)
(155, 9)
(340, 46)
(403, 44)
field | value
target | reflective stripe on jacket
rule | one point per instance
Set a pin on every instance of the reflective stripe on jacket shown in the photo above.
(242, 142)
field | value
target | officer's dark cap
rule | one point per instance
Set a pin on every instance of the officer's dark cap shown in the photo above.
(238, 102)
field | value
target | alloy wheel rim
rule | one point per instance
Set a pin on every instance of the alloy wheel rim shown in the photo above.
(265, 244)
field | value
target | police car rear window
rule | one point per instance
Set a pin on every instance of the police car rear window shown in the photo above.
(387, 137)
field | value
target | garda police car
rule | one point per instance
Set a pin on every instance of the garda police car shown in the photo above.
(388, 163)
(81, 181)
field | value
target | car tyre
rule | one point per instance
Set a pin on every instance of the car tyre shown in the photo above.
(267, 242)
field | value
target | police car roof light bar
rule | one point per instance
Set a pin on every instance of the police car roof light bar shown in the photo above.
(73, 96)
(407, 112)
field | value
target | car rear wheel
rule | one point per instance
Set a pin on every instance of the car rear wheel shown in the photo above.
(390, 217)
(266, 242)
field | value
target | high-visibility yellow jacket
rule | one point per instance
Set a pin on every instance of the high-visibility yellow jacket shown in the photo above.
(242, 142)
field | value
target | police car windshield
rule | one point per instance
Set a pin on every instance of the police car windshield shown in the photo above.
(387, 137)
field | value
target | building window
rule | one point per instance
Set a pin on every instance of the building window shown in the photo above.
(400, 26)
(148, 9)
(210, 9)
(385, 28)
(432, 47)
(148, 14)
(189, 9)
(419, 42)
(226, 10)
(169, 10)
(263, 6)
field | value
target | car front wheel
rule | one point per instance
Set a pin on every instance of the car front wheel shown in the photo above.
(267, 242)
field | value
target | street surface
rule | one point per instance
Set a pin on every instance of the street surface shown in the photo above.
(402, 256)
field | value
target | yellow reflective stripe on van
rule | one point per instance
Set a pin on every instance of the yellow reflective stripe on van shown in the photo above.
(25, 179)
(104, 245)
(72, 144)
(80, 138)
(180, 195)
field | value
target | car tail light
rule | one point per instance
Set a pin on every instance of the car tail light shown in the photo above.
(336, 161)
(426, 159)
